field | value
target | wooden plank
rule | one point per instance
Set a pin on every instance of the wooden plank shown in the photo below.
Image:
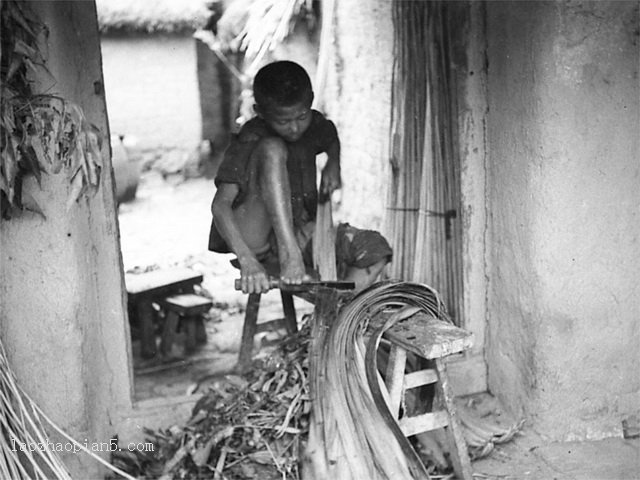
(423, 423)
(160, 281)
(420, 378)
(187, 304)
(429, 337)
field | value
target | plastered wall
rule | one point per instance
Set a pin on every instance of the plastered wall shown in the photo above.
(563, 202)
(152, 89)
(359, 89)
(62, 318)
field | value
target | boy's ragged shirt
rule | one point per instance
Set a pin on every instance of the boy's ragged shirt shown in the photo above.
(301, 162)
(236, 166)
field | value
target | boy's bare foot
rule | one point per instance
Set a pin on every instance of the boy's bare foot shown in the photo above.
(292, 270)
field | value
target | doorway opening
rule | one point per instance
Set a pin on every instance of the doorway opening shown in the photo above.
(172, 104)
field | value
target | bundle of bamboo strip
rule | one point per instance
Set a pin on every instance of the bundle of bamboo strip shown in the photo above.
(352, 434)
(25, 452)
(424, 197)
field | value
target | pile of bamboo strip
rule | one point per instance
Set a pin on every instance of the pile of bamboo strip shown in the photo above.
(352, 435)
(423, 216)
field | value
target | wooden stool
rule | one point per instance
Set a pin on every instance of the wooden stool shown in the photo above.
(431, 339)
(144, 289)
(185, 309)
(251, 326)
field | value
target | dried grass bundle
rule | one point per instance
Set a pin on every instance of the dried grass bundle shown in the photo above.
(25, 452)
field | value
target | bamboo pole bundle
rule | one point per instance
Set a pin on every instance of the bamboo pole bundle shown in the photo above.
(408, 110)
(424, 202)
(352, 433)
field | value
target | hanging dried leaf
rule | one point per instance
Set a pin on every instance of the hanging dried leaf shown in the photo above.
(39, 133)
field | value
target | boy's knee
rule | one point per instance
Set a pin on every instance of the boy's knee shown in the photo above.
(272, 148)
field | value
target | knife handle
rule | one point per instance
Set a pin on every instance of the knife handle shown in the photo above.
(273, 283)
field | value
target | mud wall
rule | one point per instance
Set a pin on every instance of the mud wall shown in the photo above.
(359, 101)
(152, 89)
(61, 284)
(563, 203)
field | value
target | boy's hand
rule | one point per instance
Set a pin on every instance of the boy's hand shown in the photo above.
(330, 180)
(253, 277)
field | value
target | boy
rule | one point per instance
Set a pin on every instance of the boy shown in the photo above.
(265, 204)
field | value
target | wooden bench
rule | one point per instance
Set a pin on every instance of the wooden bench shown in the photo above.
(144, 289)
(431, 339)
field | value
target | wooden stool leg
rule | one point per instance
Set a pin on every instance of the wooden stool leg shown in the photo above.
(249, 330)
(201, 331)
(169, 332)
(147, 333)
(395, 378)
(190, 327)
(459, 453)
(290, 322)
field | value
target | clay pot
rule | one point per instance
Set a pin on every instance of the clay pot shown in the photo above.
(126, 170)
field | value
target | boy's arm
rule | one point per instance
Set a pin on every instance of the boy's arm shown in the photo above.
(253, 276)
(331, 180)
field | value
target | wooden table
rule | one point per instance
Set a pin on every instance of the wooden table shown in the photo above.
(146, 288)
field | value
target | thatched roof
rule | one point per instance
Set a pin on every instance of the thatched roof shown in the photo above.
(258, 26)
(168, 16)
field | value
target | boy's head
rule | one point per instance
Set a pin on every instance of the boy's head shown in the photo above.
(283, 94)
(282, 84)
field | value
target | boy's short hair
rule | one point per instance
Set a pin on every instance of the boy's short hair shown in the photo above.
(282, 83)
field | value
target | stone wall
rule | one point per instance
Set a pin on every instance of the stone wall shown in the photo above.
(563, 203)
